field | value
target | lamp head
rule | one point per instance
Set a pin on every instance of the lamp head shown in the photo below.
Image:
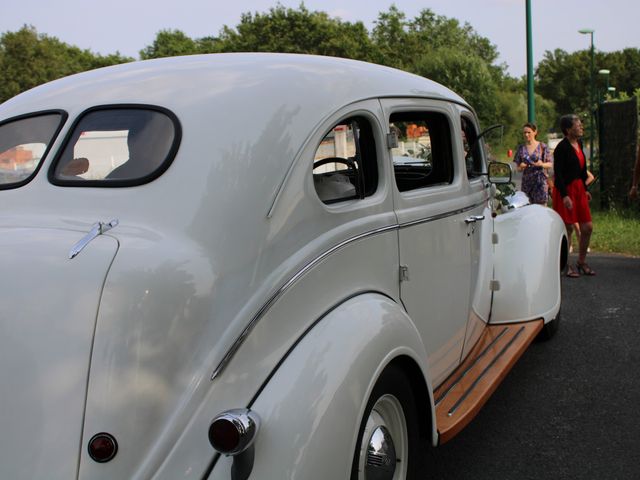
(586, 30)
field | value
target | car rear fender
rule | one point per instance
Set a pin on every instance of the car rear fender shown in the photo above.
(316, 398)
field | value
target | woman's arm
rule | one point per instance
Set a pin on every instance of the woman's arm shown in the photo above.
(546, 160)
(518, 160)
(559, 166)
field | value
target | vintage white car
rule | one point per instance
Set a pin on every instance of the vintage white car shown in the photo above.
(212, 268)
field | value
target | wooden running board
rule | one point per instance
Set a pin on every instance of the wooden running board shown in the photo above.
(467, 389)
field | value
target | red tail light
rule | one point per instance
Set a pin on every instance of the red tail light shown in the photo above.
(102, 447)
(233, 431)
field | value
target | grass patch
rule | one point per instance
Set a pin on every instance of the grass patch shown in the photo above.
(616, 232)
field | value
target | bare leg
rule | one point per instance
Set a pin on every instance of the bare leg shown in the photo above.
(576, 228)
(569, 228)
(571, 270)
(585, 238)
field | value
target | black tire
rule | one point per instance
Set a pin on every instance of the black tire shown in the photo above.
(550, 329)
(392, 390)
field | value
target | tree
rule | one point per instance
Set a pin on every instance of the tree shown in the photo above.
(624, 66)
(296, 31)
(431, 45)
(28, 59)
(169, 43)
(429, 30)
(564, 78)
(440, 48)
(390, 37)
(467, 75)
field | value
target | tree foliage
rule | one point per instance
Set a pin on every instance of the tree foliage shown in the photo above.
(430, 45)
(171, 43)
(565, 78)
(452, 54)
(401, 41)
(28, 59)
(297, 31)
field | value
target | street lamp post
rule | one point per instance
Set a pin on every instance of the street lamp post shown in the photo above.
(589, 31)
(605, 73)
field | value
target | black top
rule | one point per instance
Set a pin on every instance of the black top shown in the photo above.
(566, 166)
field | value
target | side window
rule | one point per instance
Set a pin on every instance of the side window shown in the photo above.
(472, 149)
(423, 156)
(344, 165)
(117, 146)
(23, 144)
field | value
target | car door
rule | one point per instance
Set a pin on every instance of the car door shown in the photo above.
(433, 206)
(481, 229)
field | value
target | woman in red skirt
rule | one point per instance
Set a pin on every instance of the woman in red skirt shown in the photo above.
(570, 196)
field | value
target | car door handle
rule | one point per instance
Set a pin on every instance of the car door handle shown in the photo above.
(473, 219)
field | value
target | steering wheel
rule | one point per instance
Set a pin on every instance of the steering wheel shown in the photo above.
(350, 164)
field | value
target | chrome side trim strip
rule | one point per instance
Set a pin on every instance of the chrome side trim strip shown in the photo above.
(440, 216)
(280, 291)
(484, 372)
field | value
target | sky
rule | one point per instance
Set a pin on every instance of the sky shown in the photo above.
(128, 26)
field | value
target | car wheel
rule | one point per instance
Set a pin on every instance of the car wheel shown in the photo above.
(550, 328)
(388, 436)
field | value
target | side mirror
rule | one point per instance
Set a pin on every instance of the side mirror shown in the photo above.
(499, 172)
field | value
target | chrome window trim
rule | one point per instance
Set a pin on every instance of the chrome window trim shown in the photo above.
(312, 263)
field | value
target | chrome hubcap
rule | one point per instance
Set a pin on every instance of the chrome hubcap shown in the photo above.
(380, 463)
(384, 448)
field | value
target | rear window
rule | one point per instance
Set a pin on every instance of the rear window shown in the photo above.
(112, 146)
(24, 142)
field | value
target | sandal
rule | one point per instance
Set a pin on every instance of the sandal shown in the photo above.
(572, 272)
(585, 269)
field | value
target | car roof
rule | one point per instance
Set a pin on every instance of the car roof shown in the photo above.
(183, 82)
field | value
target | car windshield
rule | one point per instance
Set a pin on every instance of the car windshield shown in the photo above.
(23, 144)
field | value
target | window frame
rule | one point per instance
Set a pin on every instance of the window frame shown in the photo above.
(474, 174)
(157, 172)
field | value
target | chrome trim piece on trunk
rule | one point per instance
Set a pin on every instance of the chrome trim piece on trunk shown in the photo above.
(97, 229)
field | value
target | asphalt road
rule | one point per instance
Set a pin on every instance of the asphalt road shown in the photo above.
(570, 408)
